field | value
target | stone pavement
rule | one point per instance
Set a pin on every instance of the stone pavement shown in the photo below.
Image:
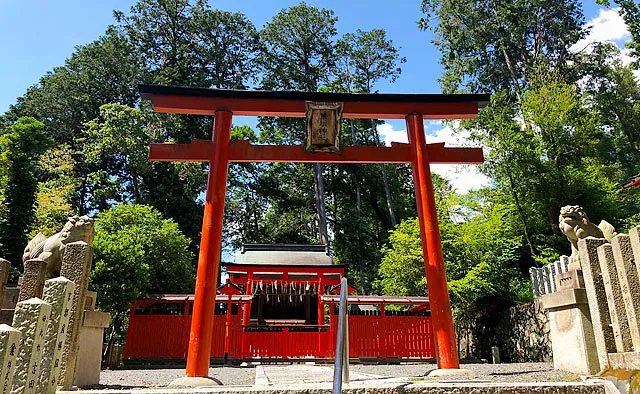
(303, 374)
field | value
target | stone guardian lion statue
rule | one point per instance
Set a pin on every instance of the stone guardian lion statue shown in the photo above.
(77, 228)
(575, 224)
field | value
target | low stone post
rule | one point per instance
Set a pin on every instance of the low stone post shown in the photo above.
(5, 267)
(58, 293)
(32, 279)
(76, 266)
(571, 331)
(597, 296)
(9, 347)
(30, 318)
(619, 322)
(629, 284)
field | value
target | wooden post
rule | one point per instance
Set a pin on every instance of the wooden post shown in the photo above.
(246, 315)
(320, 303)
(446, 351)
(227, 330)
(210, 249)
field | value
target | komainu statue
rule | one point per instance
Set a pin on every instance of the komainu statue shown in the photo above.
(575, 224)
(77, 228)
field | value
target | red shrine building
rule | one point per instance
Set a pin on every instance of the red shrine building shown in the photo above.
(280, 302)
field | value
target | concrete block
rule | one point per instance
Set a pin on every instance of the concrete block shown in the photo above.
(598, 307)
(96, 319)
(571, 331)
(58, 293)
(570, 280)
(617, 311)
(90, 301)
(32, 279)
(9, 347)
(76, 266)
(31, 318)
(629, 284)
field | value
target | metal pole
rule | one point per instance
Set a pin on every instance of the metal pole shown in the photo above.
(341, 370)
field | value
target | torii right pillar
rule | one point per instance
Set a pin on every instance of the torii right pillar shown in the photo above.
(441, 317)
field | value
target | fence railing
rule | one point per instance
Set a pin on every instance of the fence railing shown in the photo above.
(543, 278)
(341, 369)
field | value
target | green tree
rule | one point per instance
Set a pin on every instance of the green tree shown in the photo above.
(20, 147)
(630, 11)
(298, 54)
(137, 252)
(493, 46)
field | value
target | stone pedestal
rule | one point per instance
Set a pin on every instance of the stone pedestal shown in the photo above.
(572, 338)
(90, 348)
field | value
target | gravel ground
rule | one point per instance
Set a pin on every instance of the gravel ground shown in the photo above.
(243, 376)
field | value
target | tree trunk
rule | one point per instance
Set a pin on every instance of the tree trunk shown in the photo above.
(523, 217)
(320, 204)
(385, 180)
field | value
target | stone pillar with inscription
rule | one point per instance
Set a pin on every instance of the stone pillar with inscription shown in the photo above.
(9, 347)
(76, 266)
(597, 296)
(619, 321)
(30, 318)
(58, 293)
(32, 279)
(629, 284)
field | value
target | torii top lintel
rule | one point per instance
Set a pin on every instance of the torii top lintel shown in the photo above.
(202, 101)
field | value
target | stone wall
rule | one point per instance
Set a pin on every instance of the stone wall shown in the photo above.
(521, 333)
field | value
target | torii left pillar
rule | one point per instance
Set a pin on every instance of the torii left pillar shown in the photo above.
(209, 259)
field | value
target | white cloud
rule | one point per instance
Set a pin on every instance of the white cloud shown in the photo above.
(607, 26)
(462, 177)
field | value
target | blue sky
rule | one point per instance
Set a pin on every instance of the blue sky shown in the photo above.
(37, 35)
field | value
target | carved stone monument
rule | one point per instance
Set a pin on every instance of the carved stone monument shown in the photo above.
(30, 318)
(51, 250)
(76, 266)
(9, 347)
(5, 267)
(58, 293)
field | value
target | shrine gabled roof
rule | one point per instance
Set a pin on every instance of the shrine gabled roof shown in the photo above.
(205, 101)
(284, 254)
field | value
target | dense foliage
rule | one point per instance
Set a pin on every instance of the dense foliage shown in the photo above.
(560, 129)
(137, 252)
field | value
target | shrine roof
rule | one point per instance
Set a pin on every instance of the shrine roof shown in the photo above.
(283, 254)
(205, 101)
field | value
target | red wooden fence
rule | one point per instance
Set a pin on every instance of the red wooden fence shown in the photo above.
(371, 335)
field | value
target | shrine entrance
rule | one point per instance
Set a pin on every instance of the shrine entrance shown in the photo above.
(223, 104)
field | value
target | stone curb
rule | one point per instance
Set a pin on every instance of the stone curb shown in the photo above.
(389, 388)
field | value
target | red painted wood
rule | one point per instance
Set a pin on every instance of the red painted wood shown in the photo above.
(244, 151)
(447, 355)
(202, 321)
(198, 105)
(376, 336)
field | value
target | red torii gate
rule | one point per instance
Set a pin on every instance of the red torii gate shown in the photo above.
(223, 104)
